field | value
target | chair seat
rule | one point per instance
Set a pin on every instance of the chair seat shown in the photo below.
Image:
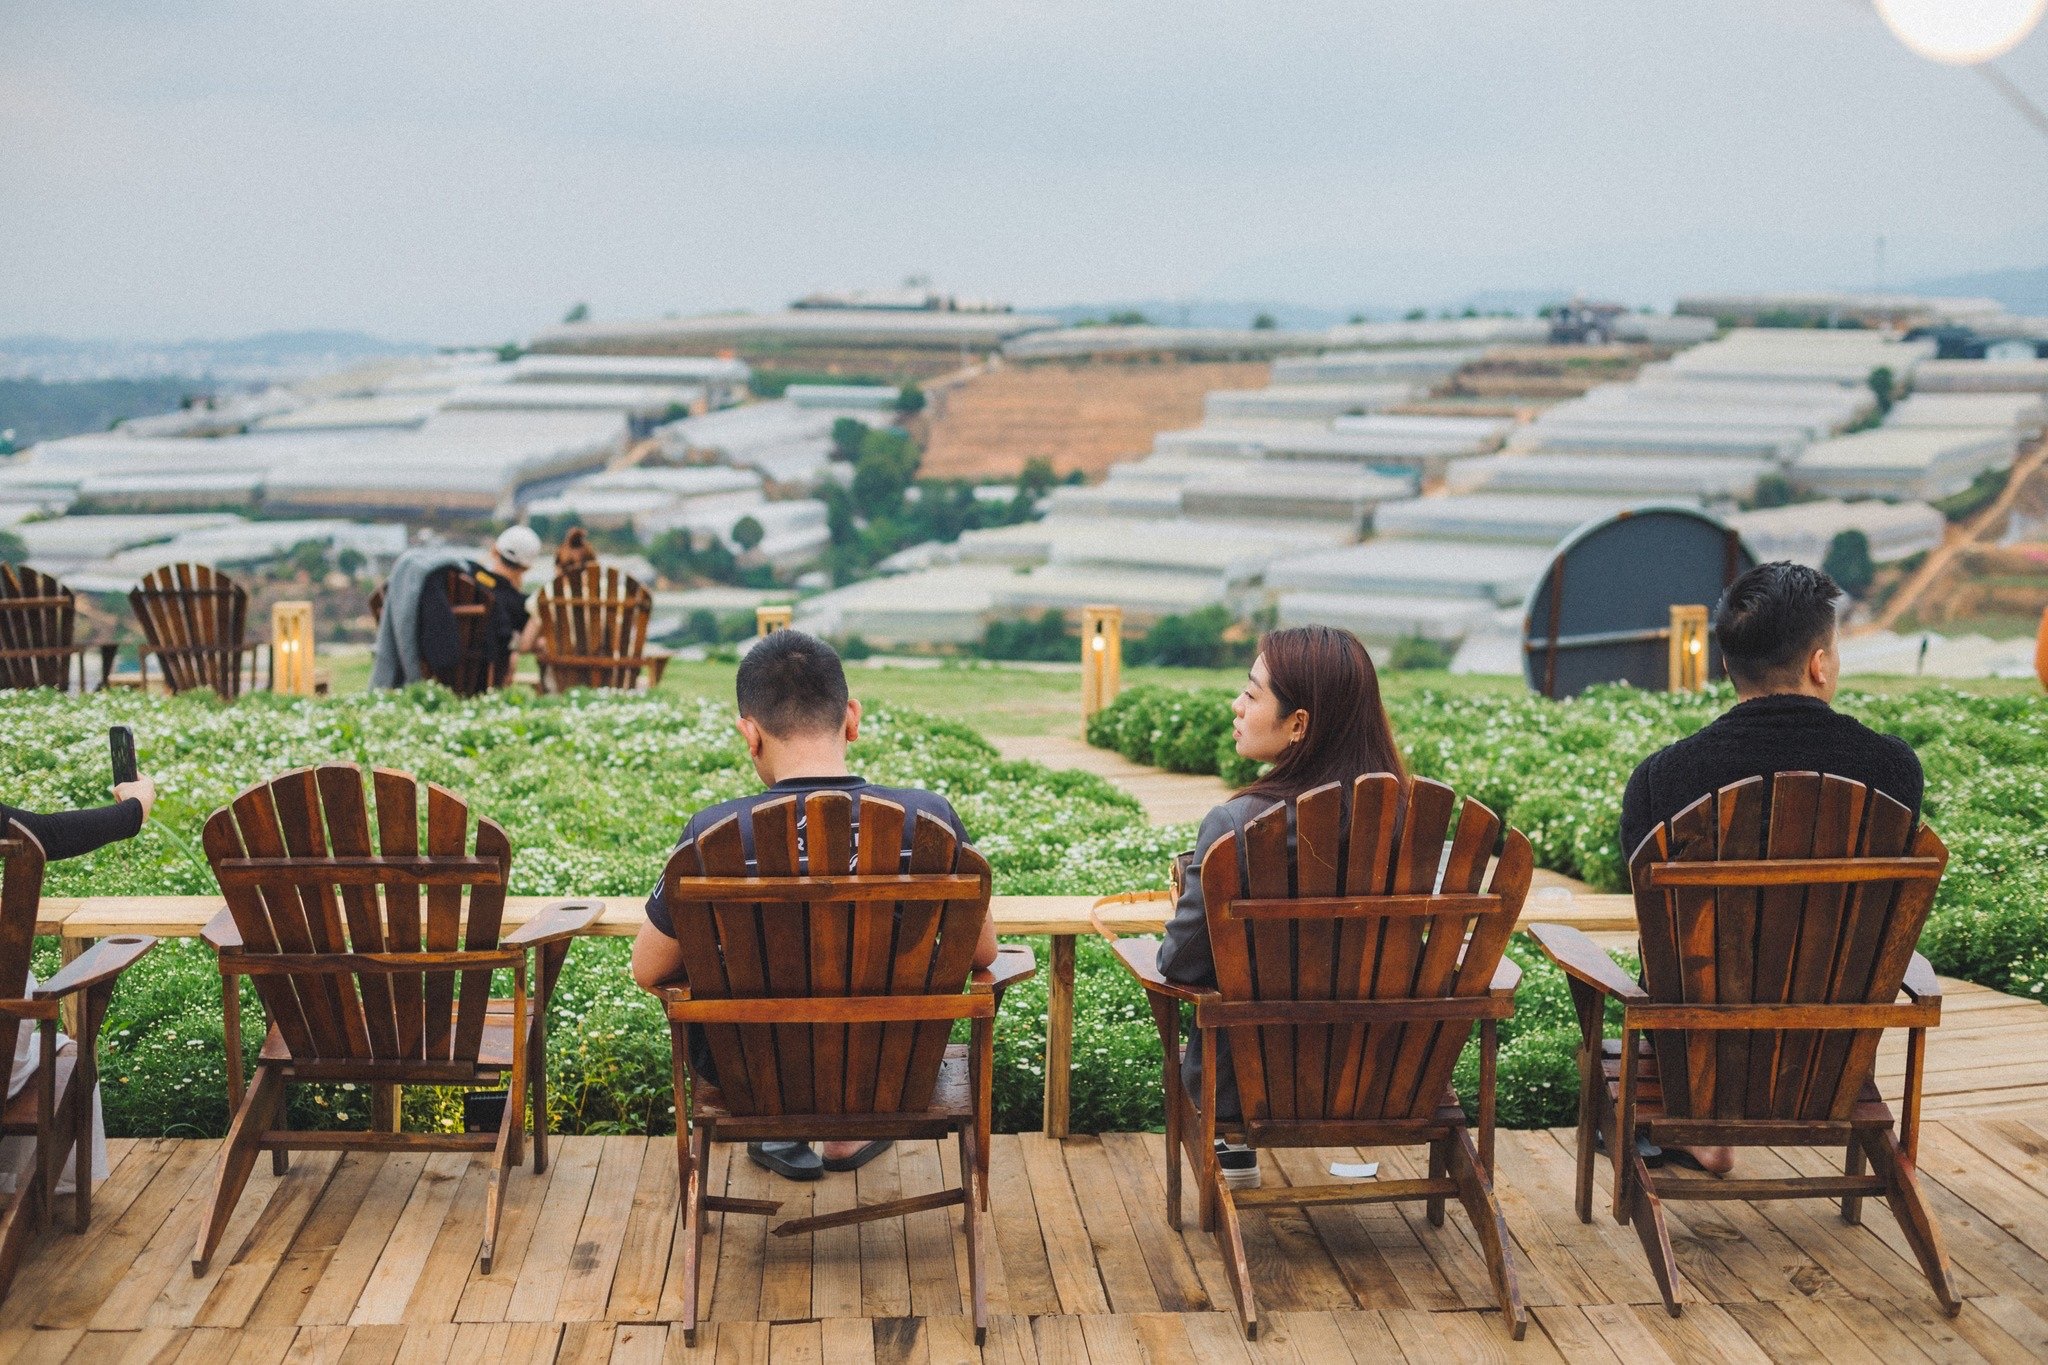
(494, 1051)
(18, 1118)
(1871, 1111)
(952, 1097)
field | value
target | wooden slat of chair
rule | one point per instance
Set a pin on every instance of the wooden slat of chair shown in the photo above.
(958, 925)
(933, 849)
(1318, 870)
(878, 848)
(697, 940)
(282, 917)
(1429, 1051)
(785, 945)
(297, 797)
(398, 835)
(828, 824)
(1377, 804)
(1273, 968)
(1870, 961)
(1425, 822)
(38, 617)
(1820, 821)
(447, 824)
(594, 628)
(746, 972)
(348, 833)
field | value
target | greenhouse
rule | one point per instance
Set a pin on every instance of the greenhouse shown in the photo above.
(1981, 376)
(1927, 463)
(2024, 413)
(1705, 479)
(1303, 402)
(1523, 520)
(1803, 531)
(1500, 574)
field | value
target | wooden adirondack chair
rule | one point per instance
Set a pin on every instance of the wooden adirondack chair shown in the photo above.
(351, 991)
(193, 618)
(593, 631)
(56, 1110)
(827, 999)
(38, 617)
(472, 675)
(1776, 938)
(1348, 982)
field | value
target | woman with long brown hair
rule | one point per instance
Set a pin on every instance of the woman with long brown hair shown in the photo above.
(1311, 708)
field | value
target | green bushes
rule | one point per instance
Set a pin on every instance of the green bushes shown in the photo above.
(1184, 730)
(1556, 770)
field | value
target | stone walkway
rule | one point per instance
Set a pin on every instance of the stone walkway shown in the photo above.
(1168, 798)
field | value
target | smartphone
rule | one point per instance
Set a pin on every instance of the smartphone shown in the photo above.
(121, 744)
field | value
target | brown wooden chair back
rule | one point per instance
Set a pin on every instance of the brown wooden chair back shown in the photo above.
(835, 911)
(38, 616)
(194, 617)
(1810, 890)
(1355, 912)
(472, 675)
(21, 894)
(593, 628)
(342, 914)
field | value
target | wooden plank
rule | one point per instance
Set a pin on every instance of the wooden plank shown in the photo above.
(835, 1253)
(1016, 1232)
(76, 1275)
(587, 1283)
(1112, 1233)
(297, 1279)
(649, 1236)
(1574, 1336)
(1366, 1272)
(928, 1236)
(742, 1240)
(180, 1295)
(1174, 1277)
(437, 1293)
(360, 1248)
(900, 1341)
(396, 1275)
(1067, 1248)
(848, 1341)
(245, 1277)
(585, 1343)
(538, 1287)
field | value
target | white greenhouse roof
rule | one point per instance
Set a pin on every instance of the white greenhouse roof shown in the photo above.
(1528, 520)
(1981, 376)
(1441, 332)
(641, 400)
(629, 369)
(1378, 617)
(1803, 531)
(1500, 573)
(1068, 343)
(1305, 400)
(393, 411)
(1802, 355)
(1913, 462)
(796, 326)
(1140, 591)
(2023, 412)
(1646, 476)
(1346, 367)
(865, 397)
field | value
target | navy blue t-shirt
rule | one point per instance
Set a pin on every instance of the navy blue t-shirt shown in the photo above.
(912, 799)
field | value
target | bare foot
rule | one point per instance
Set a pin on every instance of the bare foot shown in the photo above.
(839, 1151)
(1716, 1160)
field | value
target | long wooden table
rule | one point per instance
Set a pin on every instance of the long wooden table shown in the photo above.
(81, 921)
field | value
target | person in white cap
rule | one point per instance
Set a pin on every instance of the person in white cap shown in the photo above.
(418, 637)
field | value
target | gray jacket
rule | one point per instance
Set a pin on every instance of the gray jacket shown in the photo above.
(1184, 954)
(398, 633)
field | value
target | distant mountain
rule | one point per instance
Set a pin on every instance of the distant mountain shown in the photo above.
(251, 359)
(2023, 290)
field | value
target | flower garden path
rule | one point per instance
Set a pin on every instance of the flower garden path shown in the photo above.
(372, 1258)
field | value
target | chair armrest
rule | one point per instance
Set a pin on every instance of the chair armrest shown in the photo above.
(563, 919)
(1506, 977)
(1921, 982)
(101, 963)
(221, 932)
(1140, 957)
(1585, 961)
(1013, 963)
(673, 995)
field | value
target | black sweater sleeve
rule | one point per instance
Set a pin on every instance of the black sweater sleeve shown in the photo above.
(67, 834)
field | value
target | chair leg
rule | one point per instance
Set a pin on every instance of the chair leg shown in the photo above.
(503, 1158)
(538, 1062)
(1475, 1192)
(1175, 1125)
(1853, 1164)
(384, 1105)
(1439, 1168)
(970, 1181)
(1916, 1220)
(693, 1151)
(1590, 1116)
(18, 1224)
(1646, 1211)
(1230, 1238)
(262, 1102)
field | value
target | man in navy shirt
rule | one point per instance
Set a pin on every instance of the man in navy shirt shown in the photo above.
(797, 718)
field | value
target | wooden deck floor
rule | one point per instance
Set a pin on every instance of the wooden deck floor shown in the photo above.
(372, 1259)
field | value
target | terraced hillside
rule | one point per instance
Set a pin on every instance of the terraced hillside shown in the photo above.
(1085, 416)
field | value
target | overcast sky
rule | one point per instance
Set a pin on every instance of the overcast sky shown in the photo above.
(464, 171)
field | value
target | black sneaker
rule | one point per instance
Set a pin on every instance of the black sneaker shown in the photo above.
(1240, 1165)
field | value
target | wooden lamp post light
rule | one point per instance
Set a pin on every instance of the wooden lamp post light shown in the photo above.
(291, 648)
(768, 620)
(1102, 657)
(1688, 649)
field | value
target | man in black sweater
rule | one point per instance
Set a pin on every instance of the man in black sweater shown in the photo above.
(72, 833)
(1776, 628)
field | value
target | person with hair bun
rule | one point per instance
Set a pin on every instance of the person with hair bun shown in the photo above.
(1311, 708)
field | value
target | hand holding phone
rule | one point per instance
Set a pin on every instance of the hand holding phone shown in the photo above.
(121, 745)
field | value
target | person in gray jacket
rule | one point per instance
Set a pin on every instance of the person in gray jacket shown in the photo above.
(1311, 708)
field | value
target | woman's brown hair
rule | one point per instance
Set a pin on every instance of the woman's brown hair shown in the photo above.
(1326, 672)
(574, 552)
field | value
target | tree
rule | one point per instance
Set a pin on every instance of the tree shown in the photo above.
(1037, 478)
(509, 352)
(1848, 562)
(1195, 640)
(1881, 384)
(1044, 639)
(1129, 318)
(1773, 490)
(350, 561)
(888, 462)
(1415, 315)
(909, 399)
(702, 627)
(579, 313)
(671, 555)
(13, 549)
(747, 533)
(308, 557)
(846, 437)
(1264, 322)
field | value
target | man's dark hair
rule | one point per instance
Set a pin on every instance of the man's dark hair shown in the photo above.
(790, 683)
(1771, 619)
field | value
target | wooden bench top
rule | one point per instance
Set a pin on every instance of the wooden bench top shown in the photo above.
(1138, 913)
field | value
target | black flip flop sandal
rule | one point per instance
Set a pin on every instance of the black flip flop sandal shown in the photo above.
(867, 1153)
(1653, 1156)
(790, 1160)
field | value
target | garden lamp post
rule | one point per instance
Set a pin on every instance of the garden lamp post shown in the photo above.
(1102, 657)
(1688, 640)
(291, 648)
(768, 620)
